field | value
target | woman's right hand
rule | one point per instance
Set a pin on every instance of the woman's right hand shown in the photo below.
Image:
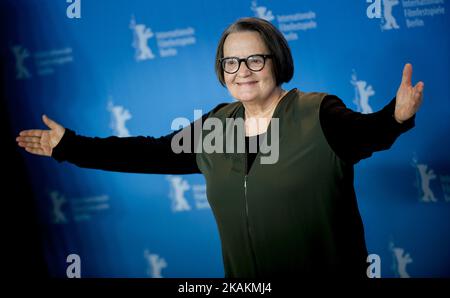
(41, 142)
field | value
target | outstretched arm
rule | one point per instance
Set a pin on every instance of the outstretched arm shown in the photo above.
(141, 154)
(354, 136)
(131, 154)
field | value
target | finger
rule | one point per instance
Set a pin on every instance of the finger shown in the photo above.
(419, 87)
(29, 145)
(31, 132)
(407, 74)
(49, 122)
(29, 139)
(35, 151)
(418, 91)
(22, 144)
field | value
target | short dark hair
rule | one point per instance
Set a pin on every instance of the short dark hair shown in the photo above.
(283, 65)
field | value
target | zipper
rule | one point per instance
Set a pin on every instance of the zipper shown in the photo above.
(247, 217)
(245, 195)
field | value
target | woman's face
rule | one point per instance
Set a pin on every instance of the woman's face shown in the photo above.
(246, 85)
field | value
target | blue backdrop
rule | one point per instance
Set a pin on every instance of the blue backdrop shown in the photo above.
(129, 68)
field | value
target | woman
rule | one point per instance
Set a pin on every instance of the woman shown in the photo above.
(297, 216)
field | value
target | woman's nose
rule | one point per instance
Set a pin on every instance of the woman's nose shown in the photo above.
(243, 70)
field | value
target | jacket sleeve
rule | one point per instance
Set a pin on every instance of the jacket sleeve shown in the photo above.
(354, 136)
(141, 154)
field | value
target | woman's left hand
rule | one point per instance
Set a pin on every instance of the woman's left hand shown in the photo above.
(408, 98)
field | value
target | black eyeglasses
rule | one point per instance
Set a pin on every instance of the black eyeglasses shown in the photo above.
(254, 63)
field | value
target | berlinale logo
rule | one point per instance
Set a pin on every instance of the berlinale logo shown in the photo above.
(155, 264)
(141, 35)
(119, 115)
(262, 12)
(362, 94)
(21, 53)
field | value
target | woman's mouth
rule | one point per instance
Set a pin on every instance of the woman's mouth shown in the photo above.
(251, 83)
